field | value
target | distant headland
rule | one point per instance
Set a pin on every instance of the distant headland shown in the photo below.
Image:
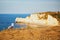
(41, 18)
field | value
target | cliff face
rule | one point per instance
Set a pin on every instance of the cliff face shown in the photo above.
(44, 18)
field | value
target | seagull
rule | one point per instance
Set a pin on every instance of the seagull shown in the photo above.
(11, 26)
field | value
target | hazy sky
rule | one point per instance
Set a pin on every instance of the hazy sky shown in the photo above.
(28, 6)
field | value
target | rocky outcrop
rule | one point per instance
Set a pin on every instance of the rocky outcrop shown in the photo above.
(44, 18)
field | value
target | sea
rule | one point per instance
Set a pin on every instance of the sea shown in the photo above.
(7, 19)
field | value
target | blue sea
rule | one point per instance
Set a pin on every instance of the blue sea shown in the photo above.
(7, 19)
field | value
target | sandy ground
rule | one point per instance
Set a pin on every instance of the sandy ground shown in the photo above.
(48, 33)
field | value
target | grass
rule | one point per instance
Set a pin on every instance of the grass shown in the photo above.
(48, 33)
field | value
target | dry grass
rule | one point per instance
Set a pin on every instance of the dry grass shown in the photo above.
(48, 33)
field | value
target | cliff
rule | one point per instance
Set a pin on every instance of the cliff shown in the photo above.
(34, 33)
(43, 18)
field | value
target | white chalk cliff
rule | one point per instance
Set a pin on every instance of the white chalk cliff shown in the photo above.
(38, 19)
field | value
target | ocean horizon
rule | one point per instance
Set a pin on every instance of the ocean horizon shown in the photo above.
(7, 19)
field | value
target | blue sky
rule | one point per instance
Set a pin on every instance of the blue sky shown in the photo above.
(28, 6)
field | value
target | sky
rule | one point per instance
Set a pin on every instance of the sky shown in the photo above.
(28, 6)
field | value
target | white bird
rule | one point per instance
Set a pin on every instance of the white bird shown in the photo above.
(11, 26)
